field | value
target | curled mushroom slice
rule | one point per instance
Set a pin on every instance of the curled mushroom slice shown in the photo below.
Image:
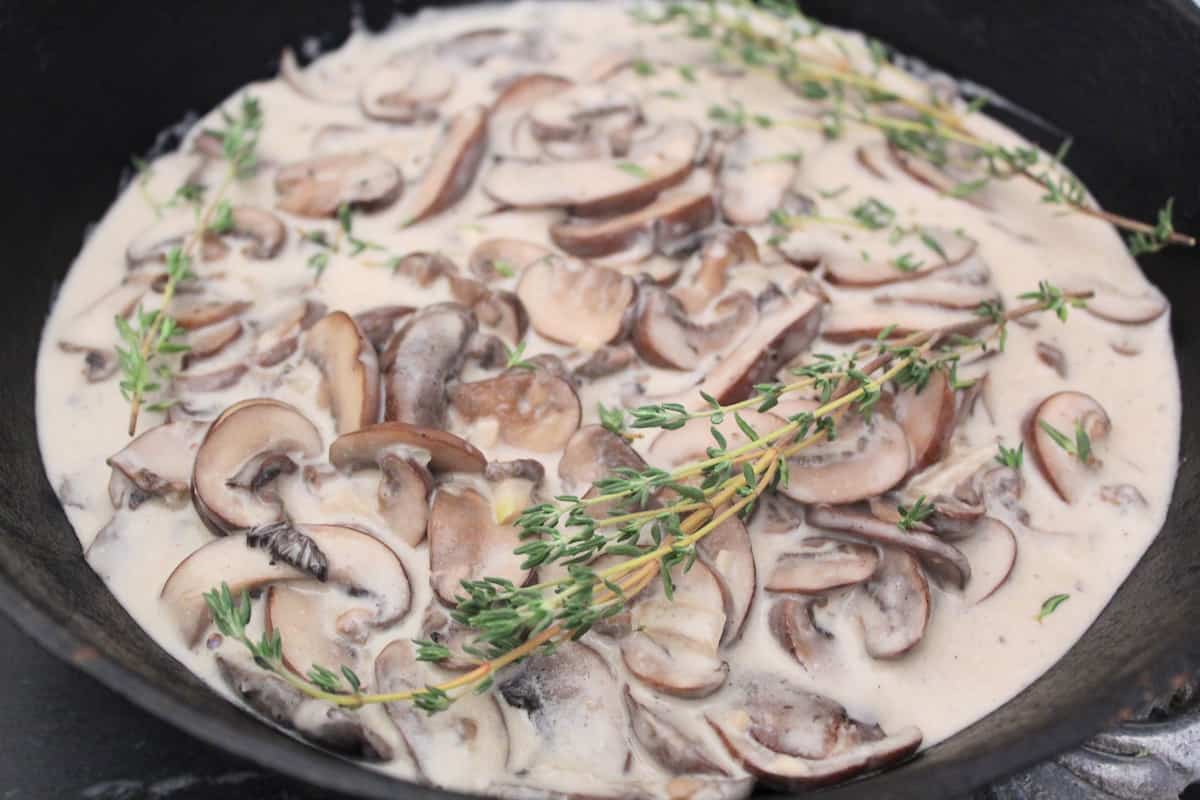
(153, 244)
(753, 180)
(407, 88)
(572, 114)
(466, 542)
(607, 360)
(535, 409)
(937, 294)
(228, 474)
(443, 451)
(281, 337)
(1114, 304)
(379, 323)
(349, 369)
(867, 458)
(476, 47)
(298, 615)
(348, 558)
(821, 564)
(670, 746)
(940, 249)
(727, 552)
(665, 336)
(893, 607)
(215, 381)
(1052, 356)
(722, 250)
(190, 312)
(420, 358)
(580, 306)
(667, 219)
(927, 416)
(991, 548)
(472, 728)
(265, 231)
(322, 723)
(158, 463)
(1123, 495)
(455, 162)
(319, 186)
(496, 259)
(592, 453)
(798, 740)
(945, 558)
(320, 81)
(775, 512)
(1067, 413)
(794, 626)
(675, 640)
(211, 340)
(528, 89)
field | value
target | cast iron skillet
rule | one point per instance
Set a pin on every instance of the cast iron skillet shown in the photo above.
(87, 83)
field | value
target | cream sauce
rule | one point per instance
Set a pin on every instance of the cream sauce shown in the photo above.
(972, 659)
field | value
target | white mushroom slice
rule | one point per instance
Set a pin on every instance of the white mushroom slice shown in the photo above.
(944, 179)
(665, 336)
(536, 410)
(600, 186)
(991, 548)
(239, 442)
(866, 459)
(407, 88)
(472, 729)
(720, 252)
(668, 218)
(797, 740)
(675, 641)
(158, 463)
(190, 312)
(496, 259)
(297, 614)
(455, 162)
(319, 186)
(320, 81)
(528, 89)
(752, 181)
(1067, 413)
(346, 557)
(893, 606)
(366, 447)
(425, 268)
(349, 369)
(466, 543)
(822, 564)
(420, 358)
(580, 306)
(792, 623)
(927, 417)
(674, 749)
(944, 558)
(1114, 304)
(728, 553)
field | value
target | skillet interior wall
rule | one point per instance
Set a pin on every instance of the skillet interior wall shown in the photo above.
(87, 84)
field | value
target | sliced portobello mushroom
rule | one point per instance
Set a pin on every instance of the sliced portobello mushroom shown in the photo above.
(927, 416)
(241, 455)
(991, 548)
(674, 749)
(334, 554)
(318, 187)
(893, 607)
(752, 181)
(1067, 413)
(666, 220)
(867, 458)
(665, 335)
(420, 358)
(821, 564)
(407, 88)
(536, 410)
(456, 160)
(794, 626)
(496, 259)
(467, 543)
(157, 463)
(571, 304)
(349, 370)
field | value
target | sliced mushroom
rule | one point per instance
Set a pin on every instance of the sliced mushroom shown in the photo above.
(492, 258)
(477, 47)
(168, 233)
(215, 381)
(445, 451)
(158, 463)
(1114, 304)
(528, 89)
(580, 306)
(440, 628)
(319, 186)
(379, 323)
(893, 607)
(937, 294)
(962, 167)
(665, 336)
(752, 181)
(472, 729)
(690, 443)
(576, 112)
(667, 219)
(319, 81)
(349, 370)
(1053, 357)
(592, 453)
(211, 340)
(420, 358)
(944, 558)
(265, 231)
(991, 548)
(282, 336)
(466, 542)
(940, 248)
(798, 740)
(728, 553)
(721, 251)
(247, 436)
(353, 560)
(794, 626)
(425, 268)
(190, 313)
(607, 360)
(99, 363)
(775, 512)
(867, 458)
(407, 88)
(1066, 413)
(456, 160)
(993, 487)
(1123, 495)
(535, 409)
(927, 416)
(675, 640)
(669, 745)
(822, 564)
(296, 613)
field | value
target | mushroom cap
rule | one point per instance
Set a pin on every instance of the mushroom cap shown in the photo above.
(367, 446)
(455, 162)
(245, 432)
(536, 410)
(580, 306)
(317, 187)
(821, 564)
(466, 542)
(158, 462)
(1068, 476)
(350, 369)
(792, 623)
(420, 358)
(526, 90)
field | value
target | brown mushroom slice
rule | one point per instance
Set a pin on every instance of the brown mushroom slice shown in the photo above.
(1066, 412)
(592, 453)
(319, 186)
(596, 187)
(927, 416)
(153, 243)
(991, 548)
(674, 646)
(420, 358)
(752, 182)
(580, 306)
(822, 564)
(472, 729)
(244, 437)
(849, 269)
(528, 89)
(407, 88)
(476, 47)
(775, 512)
(1123, 495)
(379, 323)
(794, 626)
(1052, 356)
(667, 218)
(503, 312)
(318, 81)
(158, 463)
(607, 360)
(728, 553)
(211, 340)
(349, 370)
(496, 259)
(99, 363)
(893, 607)
(457, 157)
(944, 558)
(215, 381)
(321, 723)
(690, 443)
(665, 336)
(867, 458)
(440, 628)
(797, 740)
(281, 337)
(674, 749)
(466, 542)
(365, 447)
(1115, 304)
(944, 178)
(265, 231)
(357, 562)
(571, 114)
(721, 251)
(190, 313)
(937, 294)
(536, 410)
(297, 614)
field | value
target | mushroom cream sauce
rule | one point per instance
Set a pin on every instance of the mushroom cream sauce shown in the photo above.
(564, 723)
